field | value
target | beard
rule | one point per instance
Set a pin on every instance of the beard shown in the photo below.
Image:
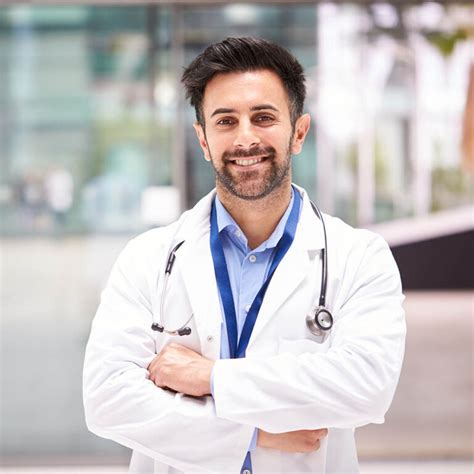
(253, 184)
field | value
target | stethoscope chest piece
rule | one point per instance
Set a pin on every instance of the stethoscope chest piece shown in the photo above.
(319, 321)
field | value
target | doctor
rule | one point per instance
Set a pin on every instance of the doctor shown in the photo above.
(201, 358)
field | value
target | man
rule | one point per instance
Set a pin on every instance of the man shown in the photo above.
(246, 387)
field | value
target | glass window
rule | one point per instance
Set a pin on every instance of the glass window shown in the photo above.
(90, 112)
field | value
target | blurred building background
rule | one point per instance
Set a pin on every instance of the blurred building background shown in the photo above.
(97, 145)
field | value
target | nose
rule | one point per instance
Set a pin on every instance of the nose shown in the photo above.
(246, 135)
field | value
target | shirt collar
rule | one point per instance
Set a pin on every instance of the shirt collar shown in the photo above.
(226, 223)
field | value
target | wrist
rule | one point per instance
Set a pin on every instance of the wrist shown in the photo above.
(208, 377)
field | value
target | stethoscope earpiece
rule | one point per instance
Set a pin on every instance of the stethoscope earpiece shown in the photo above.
(157, 327)
(184, 332)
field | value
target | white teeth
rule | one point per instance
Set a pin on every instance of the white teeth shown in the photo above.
(248, 162)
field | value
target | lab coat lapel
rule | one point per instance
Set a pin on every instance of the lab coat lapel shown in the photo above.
(295, 266)
(197, 270)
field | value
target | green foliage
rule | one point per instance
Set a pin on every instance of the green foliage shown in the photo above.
(450, 187)
(445, 42)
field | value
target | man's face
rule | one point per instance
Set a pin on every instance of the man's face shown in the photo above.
(248, 134)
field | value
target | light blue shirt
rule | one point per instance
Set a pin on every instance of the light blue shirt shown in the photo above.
(248, 270)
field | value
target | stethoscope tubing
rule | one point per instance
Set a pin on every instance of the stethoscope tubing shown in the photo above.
(160, 327)
(324, 259)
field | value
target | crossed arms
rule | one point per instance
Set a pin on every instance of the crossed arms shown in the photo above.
(180, 369)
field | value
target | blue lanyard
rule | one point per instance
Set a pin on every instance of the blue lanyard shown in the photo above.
(238, 347)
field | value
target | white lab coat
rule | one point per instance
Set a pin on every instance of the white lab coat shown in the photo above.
(287, 381)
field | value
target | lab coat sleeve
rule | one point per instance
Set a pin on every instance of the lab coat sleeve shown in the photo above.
(122, 404)
(350, 385)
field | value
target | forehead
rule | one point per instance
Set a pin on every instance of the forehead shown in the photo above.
(242, 90)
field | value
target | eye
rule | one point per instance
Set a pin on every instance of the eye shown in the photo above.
(264, 118)
(225, 121)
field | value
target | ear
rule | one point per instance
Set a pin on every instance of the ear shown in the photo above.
(301, 129)
(202, 140)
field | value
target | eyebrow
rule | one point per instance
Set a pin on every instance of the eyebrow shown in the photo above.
(223, 110)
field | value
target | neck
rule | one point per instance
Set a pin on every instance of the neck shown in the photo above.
(258, 218)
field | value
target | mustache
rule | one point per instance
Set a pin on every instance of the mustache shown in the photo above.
(255, 151)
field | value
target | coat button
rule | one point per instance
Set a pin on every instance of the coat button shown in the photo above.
(210, 338)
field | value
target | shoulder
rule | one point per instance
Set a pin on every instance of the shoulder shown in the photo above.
(362, 258)
(358, 249)
(349, 238)
(343, 240)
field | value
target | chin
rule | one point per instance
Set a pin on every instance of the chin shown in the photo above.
(254, 193)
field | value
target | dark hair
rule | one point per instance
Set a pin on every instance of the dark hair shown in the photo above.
(241, 55)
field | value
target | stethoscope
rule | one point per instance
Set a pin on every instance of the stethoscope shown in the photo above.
(184, 330)
(319, 321)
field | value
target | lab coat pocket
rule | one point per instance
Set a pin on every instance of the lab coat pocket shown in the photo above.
(302, 346)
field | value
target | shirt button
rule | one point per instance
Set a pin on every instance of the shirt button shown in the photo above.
(210, 338)
(246, 471)
(252, 258)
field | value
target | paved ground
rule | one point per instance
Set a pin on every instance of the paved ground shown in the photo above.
(50, 291)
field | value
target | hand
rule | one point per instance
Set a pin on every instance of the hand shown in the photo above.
(302, 441)
(181, 369)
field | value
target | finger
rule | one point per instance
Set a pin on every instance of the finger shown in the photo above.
(310, 444)
(156, 379)
(312, 439)
(322, 432)
(153, 362)
(151, 374)
(316, 434)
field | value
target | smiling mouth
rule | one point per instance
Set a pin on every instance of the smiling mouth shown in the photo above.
(249, 161)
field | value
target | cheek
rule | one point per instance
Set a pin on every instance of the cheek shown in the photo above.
(282, 144)
(276, 137)
(218, 145)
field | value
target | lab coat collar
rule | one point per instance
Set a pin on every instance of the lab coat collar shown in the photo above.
(194, 224)
(309, 233)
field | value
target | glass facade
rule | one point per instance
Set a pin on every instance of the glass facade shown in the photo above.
(82, 135)
(93, 112)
